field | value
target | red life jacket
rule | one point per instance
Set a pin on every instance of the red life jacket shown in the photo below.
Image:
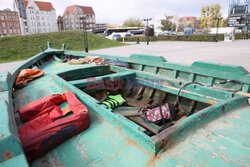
(44, 131)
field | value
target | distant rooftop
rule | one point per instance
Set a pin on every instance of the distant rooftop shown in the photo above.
(85, 9)
(7, 11)
(45, 6)
(187, 17)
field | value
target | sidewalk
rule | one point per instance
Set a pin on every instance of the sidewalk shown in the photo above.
(9, 66)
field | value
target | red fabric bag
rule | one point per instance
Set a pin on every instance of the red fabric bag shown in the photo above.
(46, 131)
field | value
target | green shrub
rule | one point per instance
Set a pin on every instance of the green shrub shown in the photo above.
(195, 37)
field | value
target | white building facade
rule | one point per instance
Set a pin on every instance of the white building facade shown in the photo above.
(40, 17)
(159, 18)
(157, 24)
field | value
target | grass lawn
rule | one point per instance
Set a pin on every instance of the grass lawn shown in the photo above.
(23, 47)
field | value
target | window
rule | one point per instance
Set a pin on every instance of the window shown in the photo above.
(15, 17)
(14, 31)
(9, 25)
(44, 24)
(11, 31)
(8, 18)
(2, 17)
(17, 25)
(5, 31)
(38, 17)
(12, 18)
(3, 24)
(18, 31)
(13, 24)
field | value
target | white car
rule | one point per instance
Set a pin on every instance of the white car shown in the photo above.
(116, 36)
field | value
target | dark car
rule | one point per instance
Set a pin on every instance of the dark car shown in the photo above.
(127, 35)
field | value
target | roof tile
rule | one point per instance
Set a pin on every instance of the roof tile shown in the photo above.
(45, 6)
(85, 9)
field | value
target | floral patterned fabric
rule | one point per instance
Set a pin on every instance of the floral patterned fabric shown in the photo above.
(154, 114)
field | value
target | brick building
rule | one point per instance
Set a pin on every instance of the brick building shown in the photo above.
(72, 15)
(9, 23)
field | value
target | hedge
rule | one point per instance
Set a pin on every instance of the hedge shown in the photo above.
(196, 37)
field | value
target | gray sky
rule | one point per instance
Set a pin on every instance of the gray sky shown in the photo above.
(116, 11)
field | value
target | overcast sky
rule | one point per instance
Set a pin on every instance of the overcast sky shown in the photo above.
(116, 11)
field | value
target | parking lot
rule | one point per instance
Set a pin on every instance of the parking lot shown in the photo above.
(236, 53)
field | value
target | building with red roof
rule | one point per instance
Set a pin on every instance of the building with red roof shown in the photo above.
(189, 21)
(36, 16)
(72, 15)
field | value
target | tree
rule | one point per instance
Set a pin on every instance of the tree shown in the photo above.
(189, 25)
(205, 13)
(133, 22)
(181, 28)
(224, 22)
(167, 25)
(215, 13)
(173, 27)
(209, 15)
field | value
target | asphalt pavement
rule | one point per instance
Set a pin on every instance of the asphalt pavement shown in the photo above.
(235, 53)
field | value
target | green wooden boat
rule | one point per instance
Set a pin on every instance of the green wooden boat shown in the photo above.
(216, 133)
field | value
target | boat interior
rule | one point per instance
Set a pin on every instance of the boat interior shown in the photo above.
(150, 81)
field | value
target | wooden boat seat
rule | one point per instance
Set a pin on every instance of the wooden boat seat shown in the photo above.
(82, 83)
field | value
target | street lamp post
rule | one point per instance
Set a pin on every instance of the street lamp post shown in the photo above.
(147, 31)
(217, 30)
(247, 23)
(85, 35)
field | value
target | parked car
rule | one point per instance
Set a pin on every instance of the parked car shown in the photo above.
(189, 31)
(172, 33)
(160, 34)
(127, 35)
(180, 33)
(116, 36)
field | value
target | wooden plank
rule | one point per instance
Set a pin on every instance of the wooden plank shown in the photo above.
(132, 113)
(149, 126)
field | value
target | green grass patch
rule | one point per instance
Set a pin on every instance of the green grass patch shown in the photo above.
(23, 47)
